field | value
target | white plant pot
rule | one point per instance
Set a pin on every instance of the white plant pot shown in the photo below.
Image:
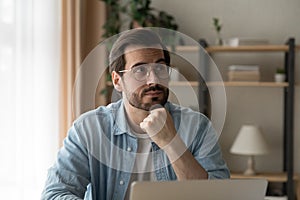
(279, 78)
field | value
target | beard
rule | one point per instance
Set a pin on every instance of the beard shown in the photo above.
(138, 98)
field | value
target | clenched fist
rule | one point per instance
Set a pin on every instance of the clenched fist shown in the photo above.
(159, 126)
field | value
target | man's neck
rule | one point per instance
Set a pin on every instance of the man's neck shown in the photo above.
(135, 116)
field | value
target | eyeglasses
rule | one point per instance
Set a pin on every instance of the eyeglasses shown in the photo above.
(141, 72)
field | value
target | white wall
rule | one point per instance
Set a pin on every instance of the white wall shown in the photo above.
(275, 20)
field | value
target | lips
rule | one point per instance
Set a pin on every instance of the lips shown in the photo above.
(153, 90)
(154, 93)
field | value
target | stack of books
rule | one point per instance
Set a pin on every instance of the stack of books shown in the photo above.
(243, 73)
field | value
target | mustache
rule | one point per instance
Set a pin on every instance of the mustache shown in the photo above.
(153, 88)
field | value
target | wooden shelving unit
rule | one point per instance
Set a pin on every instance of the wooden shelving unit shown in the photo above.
(289, 50)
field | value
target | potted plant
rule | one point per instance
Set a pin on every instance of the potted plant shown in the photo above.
(113, 23)
(138, 12)
(218, 27)
(280, 75)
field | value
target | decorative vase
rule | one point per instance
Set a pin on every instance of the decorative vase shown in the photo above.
(219, 40)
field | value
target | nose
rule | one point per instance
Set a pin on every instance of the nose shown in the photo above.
(152, 77)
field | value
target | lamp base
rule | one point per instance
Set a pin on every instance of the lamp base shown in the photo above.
(250, 166)
(249, 172)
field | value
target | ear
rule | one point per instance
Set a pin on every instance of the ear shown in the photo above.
(116, 80)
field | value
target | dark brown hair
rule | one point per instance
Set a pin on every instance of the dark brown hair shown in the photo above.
(135, 37)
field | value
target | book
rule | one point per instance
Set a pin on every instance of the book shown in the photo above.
(243, 68)
(243, 75)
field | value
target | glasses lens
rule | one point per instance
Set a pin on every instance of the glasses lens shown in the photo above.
(162, 71)
(140, 73)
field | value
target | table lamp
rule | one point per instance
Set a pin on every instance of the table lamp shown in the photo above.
(249, 142)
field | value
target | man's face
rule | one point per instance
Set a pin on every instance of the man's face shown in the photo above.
(153, 90)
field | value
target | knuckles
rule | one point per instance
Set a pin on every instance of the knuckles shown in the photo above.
(159, 113)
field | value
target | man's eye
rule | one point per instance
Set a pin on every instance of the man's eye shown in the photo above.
(160, 67)
(140, 69)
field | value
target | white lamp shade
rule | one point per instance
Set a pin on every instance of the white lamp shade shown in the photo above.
(249, 141)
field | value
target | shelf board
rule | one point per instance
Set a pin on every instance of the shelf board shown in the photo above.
(230, 84)
(187, 48)
(183, 83)
(249, 48)
(245, 48)
(248, 84)
(272, 177)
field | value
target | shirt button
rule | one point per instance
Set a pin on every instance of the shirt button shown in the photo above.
(129, 149)
(121, 182)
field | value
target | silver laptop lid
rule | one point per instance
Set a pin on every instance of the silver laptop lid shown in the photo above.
(226, 189)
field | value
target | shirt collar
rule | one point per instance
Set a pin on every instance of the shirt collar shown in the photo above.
(121, 124)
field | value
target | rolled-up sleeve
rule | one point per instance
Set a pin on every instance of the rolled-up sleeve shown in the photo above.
(209, 154)
(215, 165)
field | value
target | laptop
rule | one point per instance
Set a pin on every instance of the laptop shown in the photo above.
(225, 189)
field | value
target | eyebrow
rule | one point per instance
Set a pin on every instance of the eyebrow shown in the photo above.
(142, 63)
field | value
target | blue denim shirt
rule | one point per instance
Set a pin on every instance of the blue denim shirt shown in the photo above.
(98, 155)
